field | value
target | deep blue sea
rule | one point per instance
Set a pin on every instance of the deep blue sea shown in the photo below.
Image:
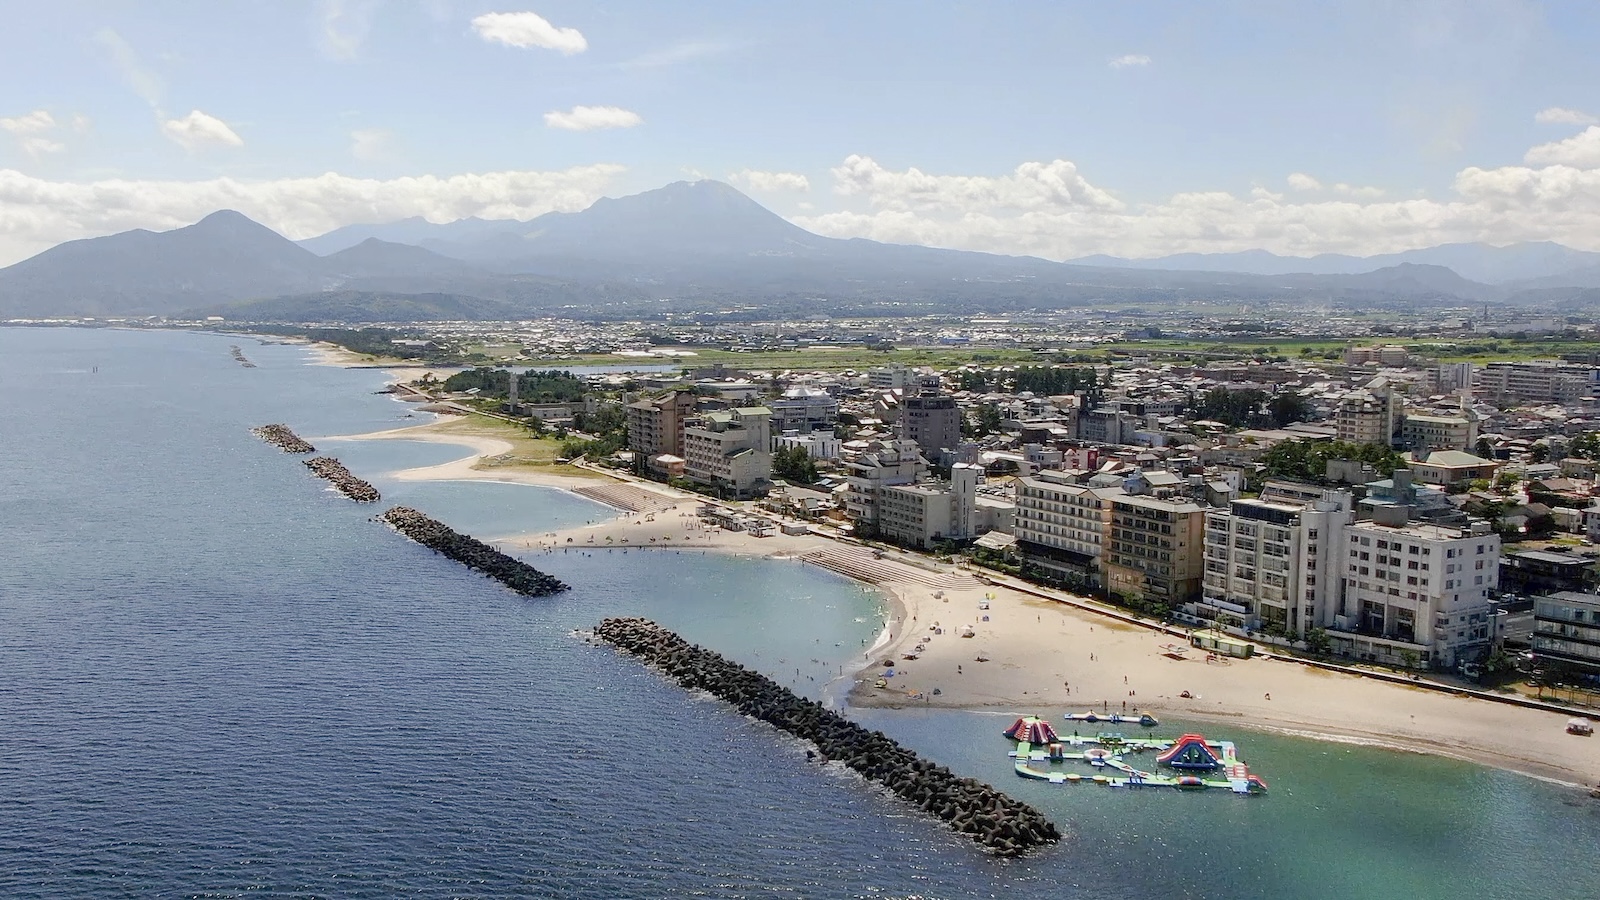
(220, 679)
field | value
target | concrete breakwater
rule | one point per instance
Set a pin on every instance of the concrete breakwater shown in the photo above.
(281, 437)
(473, 553)
(1000, 824)
(349, 485)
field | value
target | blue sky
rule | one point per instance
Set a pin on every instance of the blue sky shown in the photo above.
(1055, 128)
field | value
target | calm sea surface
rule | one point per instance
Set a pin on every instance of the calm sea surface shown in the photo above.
(219, 679)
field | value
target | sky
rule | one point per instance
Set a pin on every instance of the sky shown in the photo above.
(1058, 129)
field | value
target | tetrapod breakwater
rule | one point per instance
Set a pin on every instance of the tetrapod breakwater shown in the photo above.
(279, 435)
(998, 823)
(347, 484)
(473, 553)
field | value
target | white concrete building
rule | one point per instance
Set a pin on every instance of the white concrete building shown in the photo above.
(1536, 381)
(1272, 563)
(819, 444)
(881, 465)
(730, 450)
(1414, 593)
(920, 515)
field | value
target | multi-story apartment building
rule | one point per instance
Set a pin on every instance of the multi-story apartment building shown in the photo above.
(1566, 629)
(1273, 563)
(1392, 355)
(1538, 381)
(1430, 432)
(804, 410)
(933, 421)
(730, 450)
(880, 465)
(1368, 415)
(1061, 526)
(1414, 593)
(1447, 378)
(920, 515)
(655, 425)
(1156, 548)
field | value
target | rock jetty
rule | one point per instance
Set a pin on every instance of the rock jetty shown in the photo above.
(473, 553)
(281, 437)
(347, 484)
(998, 823)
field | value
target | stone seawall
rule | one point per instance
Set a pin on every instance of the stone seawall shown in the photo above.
(1000, 824)
(347, 484)
(280, 436)
(473, 553)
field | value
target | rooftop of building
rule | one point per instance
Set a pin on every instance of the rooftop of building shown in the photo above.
(1450, 459)
(1172, 504)
(1419, 530)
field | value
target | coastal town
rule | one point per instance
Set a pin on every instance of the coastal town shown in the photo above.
(1376, 507)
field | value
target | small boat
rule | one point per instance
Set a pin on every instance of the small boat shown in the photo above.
(1580, 727)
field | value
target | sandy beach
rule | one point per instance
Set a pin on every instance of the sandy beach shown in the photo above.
(1028, 654)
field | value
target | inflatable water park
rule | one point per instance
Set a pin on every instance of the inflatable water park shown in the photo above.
(1188, 762)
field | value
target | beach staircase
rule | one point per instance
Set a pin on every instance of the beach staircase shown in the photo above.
(629, 497)
(860, 564)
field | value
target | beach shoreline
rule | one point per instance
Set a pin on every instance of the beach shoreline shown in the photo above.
(1070, 659)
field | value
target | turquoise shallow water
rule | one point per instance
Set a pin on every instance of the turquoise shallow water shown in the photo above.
(218, 679)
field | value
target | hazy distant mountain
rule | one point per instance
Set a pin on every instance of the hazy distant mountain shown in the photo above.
(373, 258)
(414, 230)
(224, 256)
(686, 247)
(1477, 262)
(364, 307)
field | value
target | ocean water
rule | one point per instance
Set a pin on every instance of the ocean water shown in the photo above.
(218, 679)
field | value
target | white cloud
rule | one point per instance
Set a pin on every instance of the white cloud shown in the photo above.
(770, 182)
(1581, 151)
(39, 146)
(82, 124)
(30, 129)
(197, 131)
(592, 118)
(1560, 115)
(526, 29)
(1031, 186)
(29, 123)
(343, 26)
(1131, 59)
(36, 214)
(1354, 190)
(1016, 213)
(371, 144)
(1300, 181)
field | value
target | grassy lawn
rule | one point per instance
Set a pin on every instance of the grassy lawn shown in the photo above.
(527, 450)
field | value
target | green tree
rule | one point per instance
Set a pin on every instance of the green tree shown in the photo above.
(794, 465)
(1483, 449)
(1288, 407)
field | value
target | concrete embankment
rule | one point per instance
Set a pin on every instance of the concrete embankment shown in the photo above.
(280, 436)
(473, 553)
(1000, 824)
(347, 484)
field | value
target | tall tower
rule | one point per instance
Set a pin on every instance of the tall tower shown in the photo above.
(511, 391)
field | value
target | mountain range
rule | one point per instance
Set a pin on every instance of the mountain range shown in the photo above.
(704, 246)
